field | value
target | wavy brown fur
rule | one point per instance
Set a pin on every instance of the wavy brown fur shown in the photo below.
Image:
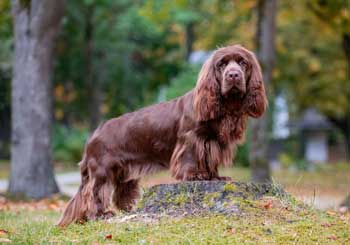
(191, 135)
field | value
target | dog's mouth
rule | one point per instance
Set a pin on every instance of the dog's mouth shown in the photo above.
(234, 90)
(235, 87)
(239, 87)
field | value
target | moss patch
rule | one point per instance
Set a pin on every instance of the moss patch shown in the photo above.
(230, 187)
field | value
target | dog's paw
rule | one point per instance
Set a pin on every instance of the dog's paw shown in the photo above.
(222, 178)
(101, 216)
(107, 214)
(198, 176)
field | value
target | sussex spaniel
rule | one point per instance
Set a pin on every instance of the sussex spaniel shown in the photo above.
(191, 135)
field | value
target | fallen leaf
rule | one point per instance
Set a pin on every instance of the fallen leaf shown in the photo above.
(109, 236)
(332, 237)
(3, 232)
(326, 224)
(54, 206)
(331, 213)
(268, 204)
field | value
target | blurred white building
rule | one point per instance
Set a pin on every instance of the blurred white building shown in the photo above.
(314, 129)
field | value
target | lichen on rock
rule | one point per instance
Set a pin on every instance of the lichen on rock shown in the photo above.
(203, 197)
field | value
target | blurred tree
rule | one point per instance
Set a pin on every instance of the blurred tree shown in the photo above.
(313, 65)
(266, 54)
(226, 23)
(92, 85)
(183, 15)
(129, 58)
(112, 56)
(6, 42)
(336, 13)
(36, 24)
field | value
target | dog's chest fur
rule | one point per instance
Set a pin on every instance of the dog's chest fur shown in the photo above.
(230, 126)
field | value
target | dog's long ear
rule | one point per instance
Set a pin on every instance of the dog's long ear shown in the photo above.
(207, 92)
(256, 101)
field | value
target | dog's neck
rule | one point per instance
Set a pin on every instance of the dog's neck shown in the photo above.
(229, 127)
(232, 105)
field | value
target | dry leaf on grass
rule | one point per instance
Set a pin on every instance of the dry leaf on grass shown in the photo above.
(3, 232)
(326, 225)
(268, 204)
(331, 213)
(332, 237)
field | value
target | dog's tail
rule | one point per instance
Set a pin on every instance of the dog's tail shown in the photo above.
(76, 208)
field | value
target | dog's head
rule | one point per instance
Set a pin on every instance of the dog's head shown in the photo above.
(230, 71)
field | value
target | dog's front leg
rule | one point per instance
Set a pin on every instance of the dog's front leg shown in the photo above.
(185, 166)
(214, 174)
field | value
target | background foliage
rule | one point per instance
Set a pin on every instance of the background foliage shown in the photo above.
(137, 47)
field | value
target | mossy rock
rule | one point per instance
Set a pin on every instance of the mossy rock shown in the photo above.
(202, 197)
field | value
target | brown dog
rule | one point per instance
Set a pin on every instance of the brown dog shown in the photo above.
(190, 135)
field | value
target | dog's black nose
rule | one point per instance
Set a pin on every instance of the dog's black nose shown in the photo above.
(233, 75)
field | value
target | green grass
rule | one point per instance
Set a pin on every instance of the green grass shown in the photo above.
(4, 169)
(277, 224)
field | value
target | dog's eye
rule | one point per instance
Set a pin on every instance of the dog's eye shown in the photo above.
(242, 62)
(221, 64)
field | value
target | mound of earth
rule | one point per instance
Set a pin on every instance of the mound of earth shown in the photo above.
(202, 197)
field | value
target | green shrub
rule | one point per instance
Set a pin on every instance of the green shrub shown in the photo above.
(302, 164)
(184, 82)
(286, 160)
(289, 161)
(68, 143)
(242, 155)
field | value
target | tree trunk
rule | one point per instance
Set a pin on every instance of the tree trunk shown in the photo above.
(189, 39)
(346, 49)
(36, 24)
(265, 38)
(93, 88)
(343, 124)
(346, 127)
